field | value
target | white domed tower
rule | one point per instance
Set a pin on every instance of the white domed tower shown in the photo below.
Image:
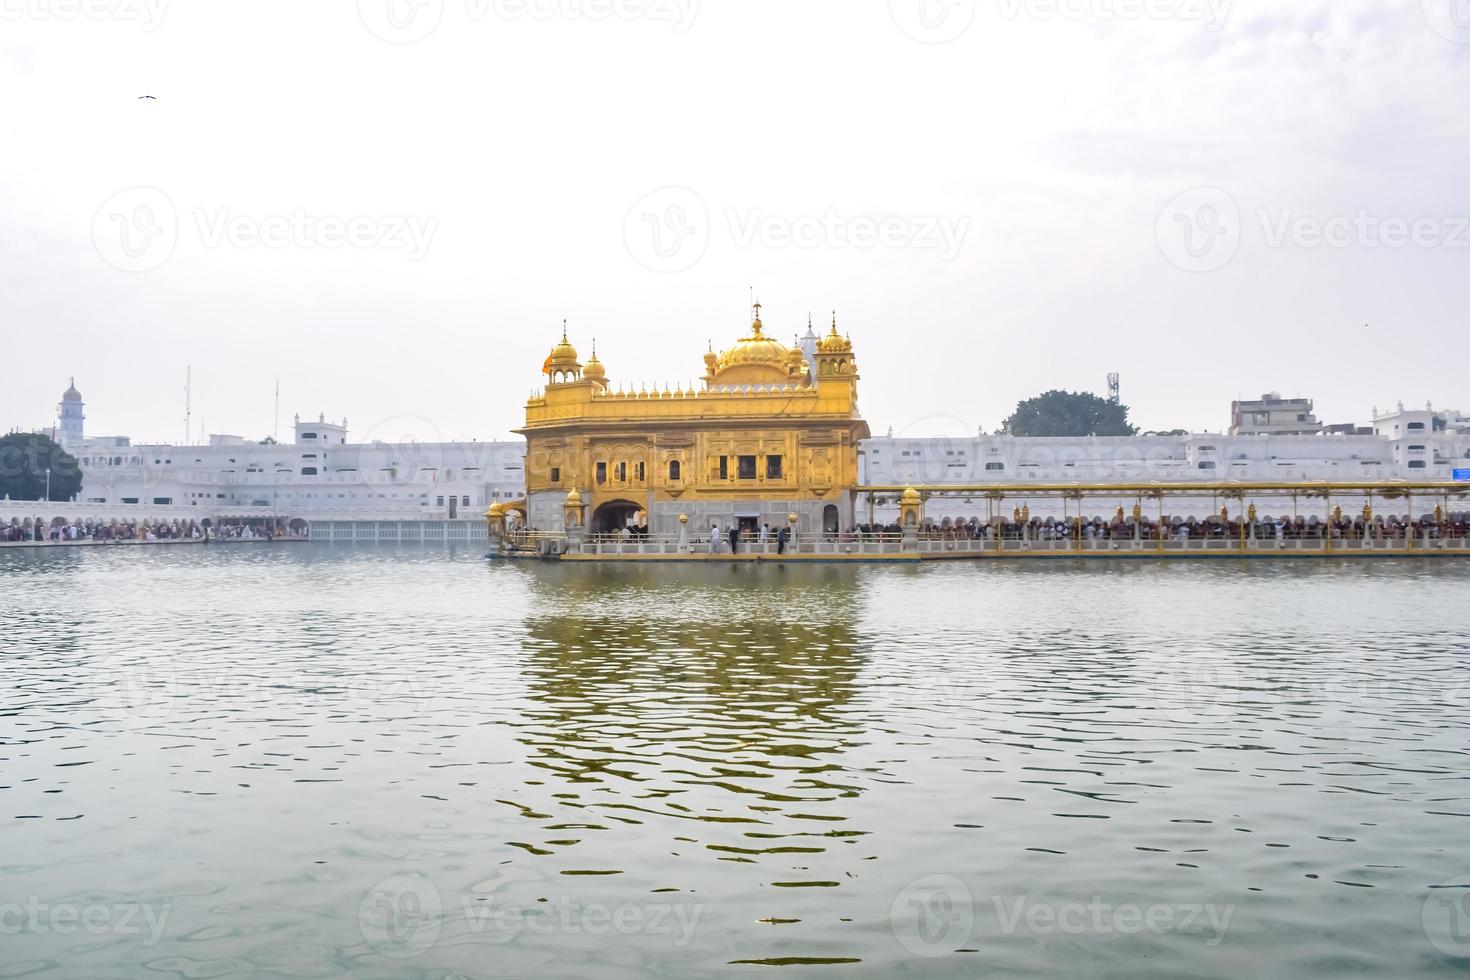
(71, 416)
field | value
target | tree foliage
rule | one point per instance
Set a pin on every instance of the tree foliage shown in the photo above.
(1068, 413)
(24, 459)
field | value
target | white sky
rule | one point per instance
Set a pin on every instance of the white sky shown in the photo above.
(529, 140)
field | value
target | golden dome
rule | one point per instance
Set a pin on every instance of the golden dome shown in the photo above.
(574, 499)
(756, 359)
(911, 497)
(563, 356)
(834, 343)
(593, 368)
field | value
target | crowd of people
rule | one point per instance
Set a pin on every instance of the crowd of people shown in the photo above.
(59, 530)
(736, 536)
(1340, 527)
(1020, 526)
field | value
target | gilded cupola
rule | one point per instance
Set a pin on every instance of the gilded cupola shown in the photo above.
(593, 369)
(562, 364)
(756, 360)
(834, 343)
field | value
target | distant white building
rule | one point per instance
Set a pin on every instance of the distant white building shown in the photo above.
(1273, 415)
(318, 476)
(1418, 446)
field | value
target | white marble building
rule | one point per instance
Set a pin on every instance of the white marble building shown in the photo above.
(1424, 446)
(319, 475)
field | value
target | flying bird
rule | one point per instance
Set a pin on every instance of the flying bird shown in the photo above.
(153, 97)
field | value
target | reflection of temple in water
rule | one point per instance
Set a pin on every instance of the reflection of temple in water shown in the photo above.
(736, 717)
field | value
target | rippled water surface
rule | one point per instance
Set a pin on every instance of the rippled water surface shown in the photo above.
(298, 761)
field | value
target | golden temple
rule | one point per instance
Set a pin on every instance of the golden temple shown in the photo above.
(772, 432)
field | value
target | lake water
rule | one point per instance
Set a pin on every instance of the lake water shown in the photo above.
(299, 761)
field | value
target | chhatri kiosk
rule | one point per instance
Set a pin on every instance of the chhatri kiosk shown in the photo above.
(767, 436)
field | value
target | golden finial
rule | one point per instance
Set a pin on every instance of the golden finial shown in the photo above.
(564, 330)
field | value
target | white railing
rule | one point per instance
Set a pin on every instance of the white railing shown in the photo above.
(935, 545)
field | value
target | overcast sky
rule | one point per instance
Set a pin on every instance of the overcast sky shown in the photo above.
(391, 205)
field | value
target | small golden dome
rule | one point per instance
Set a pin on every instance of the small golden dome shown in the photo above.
(496, 510)
(574, 499)
(593, 368)
(911, 497)
(834, 343)
(563, 356)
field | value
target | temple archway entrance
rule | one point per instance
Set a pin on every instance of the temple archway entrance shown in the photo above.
(829, 519)
(613, 516)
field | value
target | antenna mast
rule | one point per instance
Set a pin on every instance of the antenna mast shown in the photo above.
(276, 419)
(188, 414)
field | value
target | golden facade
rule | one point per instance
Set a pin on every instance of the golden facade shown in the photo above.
(773, 430)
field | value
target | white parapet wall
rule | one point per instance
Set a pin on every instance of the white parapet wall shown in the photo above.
(399, 532)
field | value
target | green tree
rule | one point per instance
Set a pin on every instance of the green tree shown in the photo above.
(24, 460)
(1068, 413)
